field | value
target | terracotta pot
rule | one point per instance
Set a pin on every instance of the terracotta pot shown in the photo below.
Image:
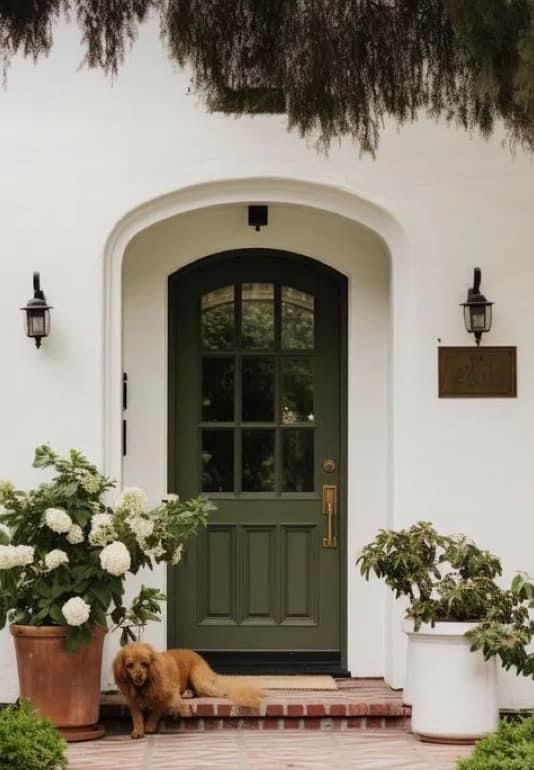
(63, 686)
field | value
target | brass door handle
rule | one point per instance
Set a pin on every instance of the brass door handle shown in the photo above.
(330, 511)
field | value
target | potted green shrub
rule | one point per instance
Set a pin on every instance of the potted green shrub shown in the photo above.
(406, 560)
(450, 587)
(64, 558)
(28, 741)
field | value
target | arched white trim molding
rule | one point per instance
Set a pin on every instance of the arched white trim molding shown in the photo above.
(341, 201)
(336, 200)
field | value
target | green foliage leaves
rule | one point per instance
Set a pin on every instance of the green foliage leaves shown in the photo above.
(406, 559)
(443, 577)
(337, 68)
(145, 608)
(509, 635)
(28, 742)
(510, 747)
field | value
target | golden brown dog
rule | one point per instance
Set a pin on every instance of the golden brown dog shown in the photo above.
(152, 683)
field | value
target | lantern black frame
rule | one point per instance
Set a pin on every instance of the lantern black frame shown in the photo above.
(37, 308)
(476, 304)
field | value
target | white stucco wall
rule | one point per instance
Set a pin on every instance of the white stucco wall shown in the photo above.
(77, 153)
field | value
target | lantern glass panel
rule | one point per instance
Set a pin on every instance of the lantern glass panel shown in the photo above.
(38, 323)
(489, 317)
(478, 318)
(467, 318)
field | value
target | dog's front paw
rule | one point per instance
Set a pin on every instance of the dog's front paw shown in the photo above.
(137, 734)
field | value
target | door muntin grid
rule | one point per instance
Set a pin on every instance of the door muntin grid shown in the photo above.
(257, 418)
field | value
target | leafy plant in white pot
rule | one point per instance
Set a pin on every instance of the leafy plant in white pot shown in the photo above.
(510, 638)
(406, 560)
(450, 585)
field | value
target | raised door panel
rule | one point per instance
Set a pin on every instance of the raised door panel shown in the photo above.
(216, 576)
(300, 575)
(260, 603)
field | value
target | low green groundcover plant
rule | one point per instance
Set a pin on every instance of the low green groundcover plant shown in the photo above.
(511, 747)
(29, 742)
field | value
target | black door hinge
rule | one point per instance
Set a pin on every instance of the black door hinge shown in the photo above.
(124, 407)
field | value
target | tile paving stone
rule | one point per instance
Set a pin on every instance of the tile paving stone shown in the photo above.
(256, 750)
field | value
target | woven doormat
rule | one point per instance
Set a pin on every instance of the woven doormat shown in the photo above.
(291, 682)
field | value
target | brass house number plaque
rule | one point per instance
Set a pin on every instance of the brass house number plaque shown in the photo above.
(471, 372)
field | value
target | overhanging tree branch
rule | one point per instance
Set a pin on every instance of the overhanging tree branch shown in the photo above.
(337, 67)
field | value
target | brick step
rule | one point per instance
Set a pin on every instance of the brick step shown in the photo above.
(356, 704)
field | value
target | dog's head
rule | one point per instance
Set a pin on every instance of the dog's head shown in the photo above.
(133, 664)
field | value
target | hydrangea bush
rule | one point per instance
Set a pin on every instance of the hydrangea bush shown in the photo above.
(65, 553)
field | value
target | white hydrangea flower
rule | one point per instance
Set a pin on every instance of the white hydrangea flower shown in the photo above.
(58, 520)
(171, 497)
(101, 520)
(141, 527)
(16, 556)
(132, 499)
(75, 535)
(55, 558)
(91, 484)
(101, 529)
(177, 555)
(115, 558)
(76, 611)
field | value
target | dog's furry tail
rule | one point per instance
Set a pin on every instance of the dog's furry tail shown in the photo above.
(207, 682)
(241, 693)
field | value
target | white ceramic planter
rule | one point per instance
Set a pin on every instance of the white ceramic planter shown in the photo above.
(515, 693)
(454, 691)
(407, 627)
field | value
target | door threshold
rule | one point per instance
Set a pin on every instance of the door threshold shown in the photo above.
(276, 662)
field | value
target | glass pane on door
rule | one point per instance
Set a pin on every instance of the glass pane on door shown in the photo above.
(218, 389)
(257, 316)
(218, 319)
(297, 460)
(258, 460)
(217, 460)
(258, 389)
(297, 390)
(298, 321)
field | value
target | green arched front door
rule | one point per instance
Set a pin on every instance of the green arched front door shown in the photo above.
(256, 416)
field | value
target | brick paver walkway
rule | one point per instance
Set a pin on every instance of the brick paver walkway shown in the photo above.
(256, 750)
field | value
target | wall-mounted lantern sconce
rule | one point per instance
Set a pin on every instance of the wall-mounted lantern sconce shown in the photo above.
(37, 313)
(477, 310)
(258, 216)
